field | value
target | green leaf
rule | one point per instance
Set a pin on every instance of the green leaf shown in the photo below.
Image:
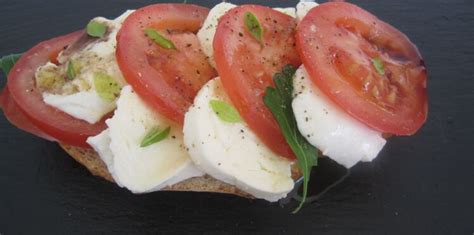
(253, 26)
(278, 100)
(155, 136)
(106, 86)
(378, 64)
(225, 111)
(159, 39)
(71, 70)
(7, 62)
(96, 29)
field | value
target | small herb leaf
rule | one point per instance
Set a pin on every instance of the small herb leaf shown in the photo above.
(71, 70)
(155, 136)
(96, 29)
(378, 64)
(106, 87)
(7, 62)
(225, 111)
(253, 26)
(278, 100)
(159, 39)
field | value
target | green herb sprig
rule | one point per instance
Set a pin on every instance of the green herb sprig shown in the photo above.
(378, 64)
(71, 70)
(159, 39)
(96, 29)
(253, 26)
(278, 100)
(225, 111)
(106, 86)
(154, 136)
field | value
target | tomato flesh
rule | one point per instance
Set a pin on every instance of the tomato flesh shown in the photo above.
(339, 43)
(246, 66)
(17, 118)
(166, 79)
(51, 121)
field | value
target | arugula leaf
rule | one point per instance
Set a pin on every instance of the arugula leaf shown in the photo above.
(7, 62)
(278, 100)
(253, 26)
(159, 39)
(378, 64)
(225, 111)
(96, 29)
(155, 136)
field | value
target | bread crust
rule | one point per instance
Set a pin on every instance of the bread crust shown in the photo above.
(91, 160)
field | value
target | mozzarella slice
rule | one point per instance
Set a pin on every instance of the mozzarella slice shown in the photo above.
(86, 105)
(79, 98)
(303, 7)
(208, 30)
(230, 152)
(101, 144)
(326, 126)
(142, 169)
(291, 11)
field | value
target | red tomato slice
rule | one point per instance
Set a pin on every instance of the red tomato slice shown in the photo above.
(51, 121)
(338, 43)
(167, 79)
(247, 66)
(17, 118)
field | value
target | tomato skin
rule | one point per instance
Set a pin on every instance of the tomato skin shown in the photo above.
(17, 117)
(51, 121)
(337, 42)
(166, 79)
(246, 67)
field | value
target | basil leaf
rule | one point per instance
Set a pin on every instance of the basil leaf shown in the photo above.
(7, 62)
(225, 111)
(96, 29)
(253, 26)
(278, 100)
(159, 39)
(70, 71)
(106, 87)
(155, 136)
(378, 64)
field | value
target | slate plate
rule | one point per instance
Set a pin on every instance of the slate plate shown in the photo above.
(418, 185)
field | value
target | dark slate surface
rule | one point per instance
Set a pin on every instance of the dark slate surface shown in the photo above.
(418, 185)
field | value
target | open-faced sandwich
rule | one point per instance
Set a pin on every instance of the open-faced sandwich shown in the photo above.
(238, 99)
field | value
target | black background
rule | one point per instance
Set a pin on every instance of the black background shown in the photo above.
(419, 184)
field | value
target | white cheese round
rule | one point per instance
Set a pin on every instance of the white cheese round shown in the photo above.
(208, 30)
(230, 152)
(142, 169)
(326, 126)
(101, 144)
(291, 11)
(303, 7)
(84, 103)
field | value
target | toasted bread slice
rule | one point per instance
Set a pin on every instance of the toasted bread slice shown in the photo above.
(91, 160)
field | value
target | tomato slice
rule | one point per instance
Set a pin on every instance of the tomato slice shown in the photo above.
(167, 79)
(51, 121)
(367, 67)
(247, 66)
(17, 118)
